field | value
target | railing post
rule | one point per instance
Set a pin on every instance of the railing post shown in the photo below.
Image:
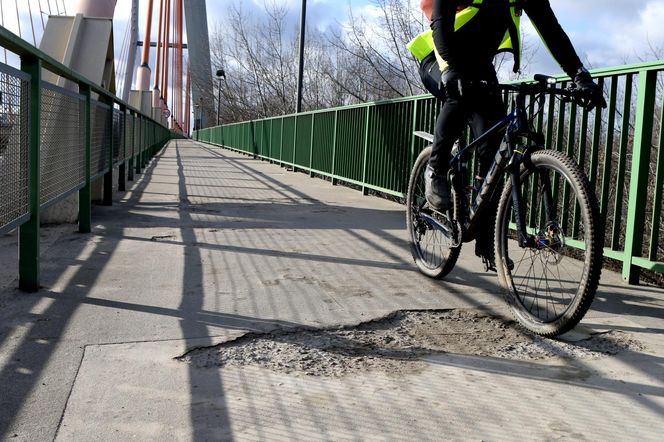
(141, 140)
(640, 173)
(122, 170)
(295, 142)
(138, 148)
(29, 271)
(334, 147)
(85, 194)
(365, 189)
(311, 146)
(281, 144)
(108, 176)
(130, 160)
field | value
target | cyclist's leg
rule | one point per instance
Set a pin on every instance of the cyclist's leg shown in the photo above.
(449, 125)
(489, 111)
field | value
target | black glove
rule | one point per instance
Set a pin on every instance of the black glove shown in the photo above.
(452, 82)
(591, 91)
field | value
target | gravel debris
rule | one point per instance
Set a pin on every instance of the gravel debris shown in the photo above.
(397, 344)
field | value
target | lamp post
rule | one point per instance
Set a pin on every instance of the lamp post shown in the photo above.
(300, 76)
(197, 119)
(220, 74)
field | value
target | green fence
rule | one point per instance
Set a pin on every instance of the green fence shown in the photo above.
(55, 141)
(371, 145)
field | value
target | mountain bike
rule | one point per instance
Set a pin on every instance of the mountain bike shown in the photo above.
(548, 237)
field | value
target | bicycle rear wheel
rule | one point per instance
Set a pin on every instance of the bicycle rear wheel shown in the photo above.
(433, 252)
(552, 284)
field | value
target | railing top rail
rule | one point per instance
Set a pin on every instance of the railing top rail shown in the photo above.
(17, 45)
(602, 72)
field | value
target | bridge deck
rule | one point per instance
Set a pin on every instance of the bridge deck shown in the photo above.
(209, 245)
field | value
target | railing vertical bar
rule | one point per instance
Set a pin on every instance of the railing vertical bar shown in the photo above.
(311, 145)
(608, 151)
(657, 192)
(413, 138)
(571, 142)
(129, 150)
(640, 173)
(29, 265)
(622, 160)
(594, 147)
(281, 143)
(583, 143)
(122, 170)
(560, 138)
(108, 176)
(334, 147)
(365, 190)
(297, 117)
(270, 155)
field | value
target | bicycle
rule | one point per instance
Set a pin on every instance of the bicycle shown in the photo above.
(547, 222)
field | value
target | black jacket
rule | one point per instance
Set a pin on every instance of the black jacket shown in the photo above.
(474, 46)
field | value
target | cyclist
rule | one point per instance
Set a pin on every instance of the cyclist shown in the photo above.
(456, 65)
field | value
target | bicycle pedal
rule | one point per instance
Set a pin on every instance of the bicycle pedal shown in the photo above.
(488, 267)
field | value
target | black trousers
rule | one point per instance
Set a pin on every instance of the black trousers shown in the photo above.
(479, 105)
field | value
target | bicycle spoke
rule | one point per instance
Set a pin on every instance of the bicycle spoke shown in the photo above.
(548, 277)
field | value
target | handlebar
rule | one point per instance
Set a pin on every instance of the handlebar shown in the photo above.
(545, 85)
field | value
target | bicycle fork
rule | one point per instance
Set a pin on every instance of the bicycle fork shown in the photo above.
(526, 240)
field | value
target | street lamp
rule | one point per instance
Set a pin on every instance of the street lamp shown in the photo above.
(220, 74)
(197, 119)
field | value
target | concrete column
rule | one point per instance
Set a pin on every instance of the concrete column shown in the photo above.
(199, 60)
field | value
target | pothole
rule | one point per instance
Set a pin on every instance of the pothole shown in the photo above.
(398, 343)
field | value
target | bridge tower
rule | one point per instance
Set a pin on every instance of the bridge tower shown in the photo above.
(200, 67)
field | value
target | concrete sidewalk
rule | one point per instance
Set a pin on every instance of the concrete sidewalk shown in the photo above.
(209, 245)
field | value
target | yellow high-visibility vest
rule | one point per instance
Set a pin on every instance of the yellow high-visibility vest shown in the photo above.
(423, 45)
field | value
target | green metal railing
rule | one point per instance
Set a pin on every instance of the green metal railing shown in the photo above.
(371, 145)
(54, 142)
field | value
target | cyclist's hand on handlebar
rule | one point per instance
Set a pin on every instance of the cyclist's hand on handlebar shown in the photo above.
(592, 94)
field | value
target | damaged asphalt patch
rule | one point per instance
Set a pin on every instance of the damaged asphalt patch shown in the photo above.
(398, 342)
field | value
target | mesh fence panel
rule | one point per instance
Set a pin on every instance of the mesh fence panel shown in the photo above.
(14, 146)
(118, 136)
(62, 142)
(101, 139)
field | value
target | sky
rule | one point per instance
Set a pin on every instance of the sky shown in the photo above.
(604, 32)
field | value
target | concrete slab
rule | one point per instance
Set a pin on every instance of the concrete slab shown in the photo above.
(138, 391)
(208, 245)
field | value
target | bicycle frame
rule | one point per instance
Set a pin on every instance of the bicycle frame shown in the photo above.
(509, 156)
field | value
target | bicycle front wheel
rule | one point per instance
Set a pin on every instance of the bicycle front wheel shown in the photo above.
(434, 253)
(550, 285)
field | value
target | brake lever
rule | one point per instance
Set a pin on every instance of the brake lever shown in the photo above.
(579, 98)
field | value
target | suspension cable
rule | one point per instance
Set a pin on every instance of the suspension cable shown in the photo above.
(32, 25)
(157, 65)
(122, 63)
(2, 16)
(41, 15)
(18, 19)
